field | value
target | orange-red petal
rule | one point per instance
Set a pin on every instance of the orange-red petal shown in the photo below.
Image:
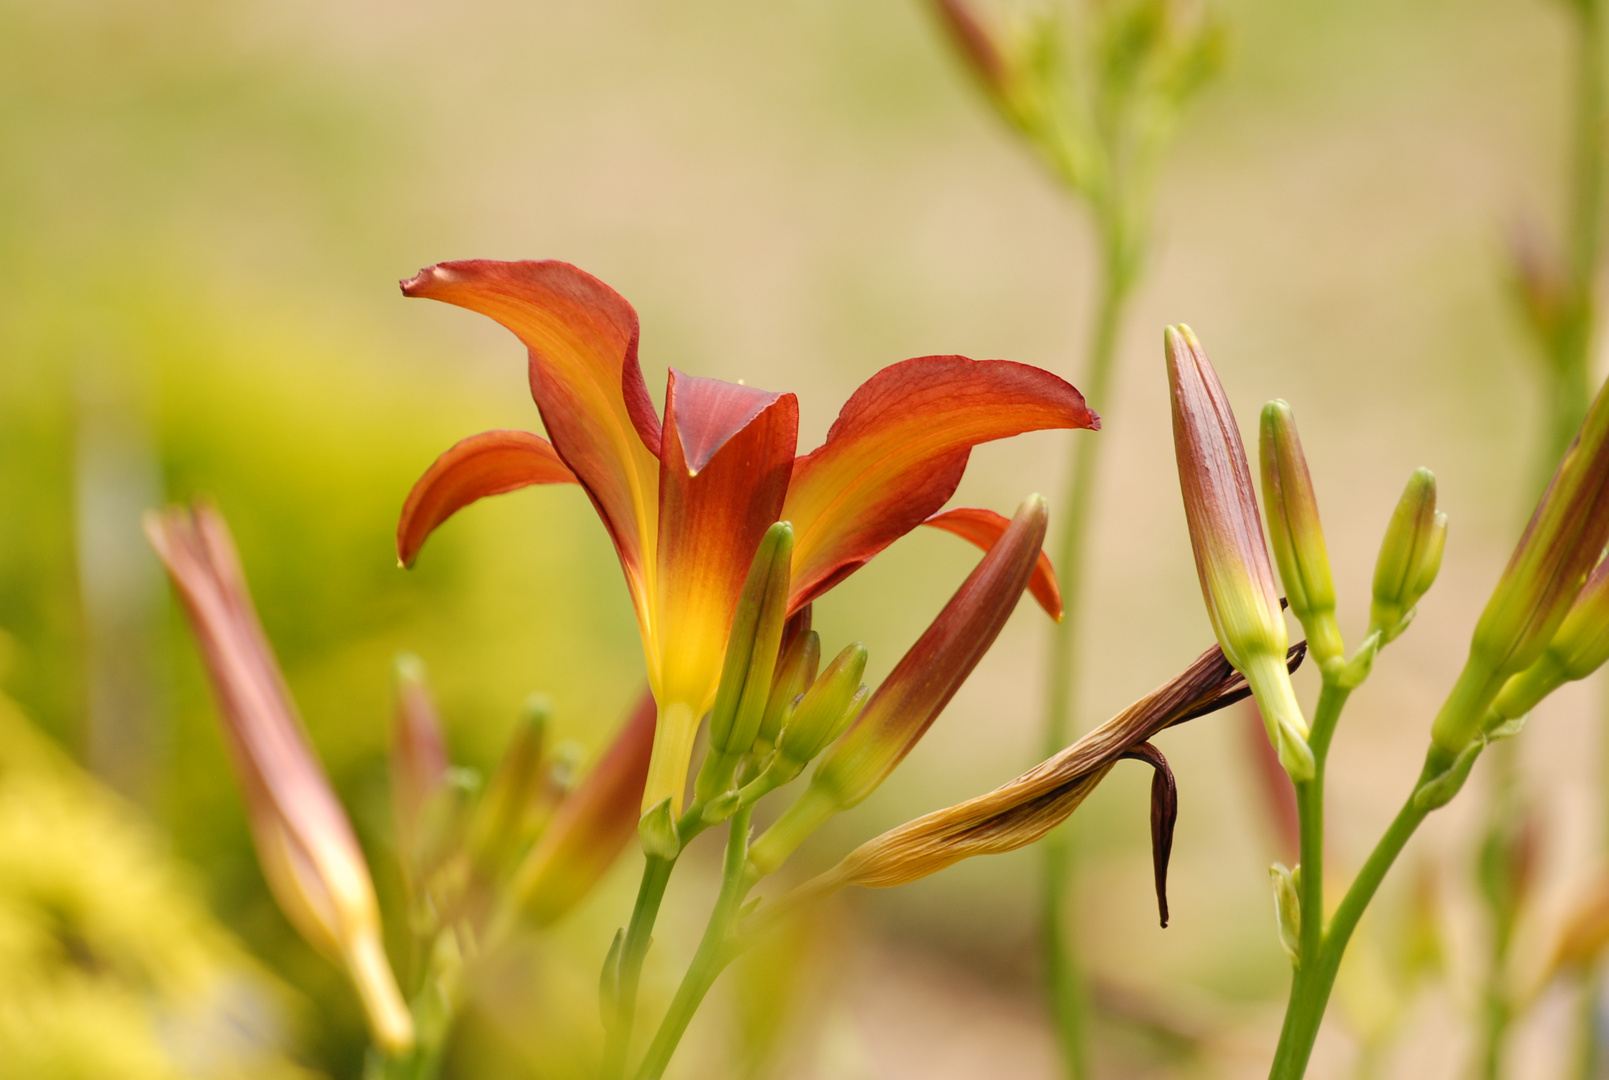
(983, 528)
(898, 449)
(491, 463)
(582, 338)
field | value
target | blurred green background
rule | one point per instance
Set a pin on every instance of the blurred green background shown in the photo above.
(203, 210)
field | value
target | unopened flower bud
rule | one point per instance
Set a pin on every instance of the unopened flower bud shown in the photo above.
(590, 827)
(501, 824)
(1410, 556)
(1579, 648)
(1226, 535)
(1560, 546)
(418, 756)
(1288, 908)
(824, 711)
(916, 691)
(1293, 525)
(794, 676)
(304, 841)
(751, 658)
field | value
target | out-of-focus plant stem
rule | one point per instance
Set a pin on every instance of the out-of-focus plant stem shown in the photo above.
(634, 949)
(1069, 997)
(434, 1009)
(639, 932)
(715, 950)
(1567, 354)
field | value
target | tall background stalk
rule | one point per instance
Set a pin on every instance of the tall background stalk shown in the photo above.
(1098, 114)
(1556, 284)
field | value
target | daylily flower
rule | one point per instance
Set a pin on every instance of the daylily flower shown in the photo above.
(687, 500)
(304, 842)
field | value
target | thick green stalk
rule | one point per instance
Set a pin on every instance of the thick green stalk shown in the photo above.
(1315, 979)
(639, 932)
(715, 951)
(1064, 980)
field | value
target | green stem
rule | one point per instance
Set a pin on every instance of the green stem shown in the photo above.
(434, 1009)
(715, 951)
(1065, 983)
(1311, 987)
(639, 933)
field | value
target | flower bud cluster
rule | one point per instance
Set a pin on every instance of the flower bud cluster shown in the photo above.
(1546, 619)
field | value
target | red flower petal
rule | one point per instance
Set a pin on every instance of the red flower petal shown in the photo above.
(491, 463)
(897, 452)
(983, 528)
(582, 338)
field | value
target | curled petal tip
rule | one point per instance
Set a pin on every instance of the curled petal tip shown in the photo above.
(420, 283)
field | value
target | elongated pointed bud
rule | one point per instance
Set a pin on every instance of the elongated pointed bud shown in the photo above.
(794, 676)
(901, 710)
(591, 827)
(1560, 546)
(418, 757)
(501, 826)
(751, 659)
(304, 842)
(1288, 908)
(975, 43)
(1293, 526)
(1410, 556)
(1226, 534)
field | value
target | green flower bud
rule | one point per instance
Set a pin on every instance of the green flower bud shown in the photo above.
(1288, 908)
(751, 658)
(794, 675)
(1226, 535)
(826, 709)
(1410, 556)
(501, 825)
(1298, 538)
(1562, 543)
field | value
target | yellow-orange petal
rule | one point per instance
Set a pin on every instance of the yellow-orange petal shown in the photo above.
(984, 527)
(582, 338)
(897, 451)
(491, 463)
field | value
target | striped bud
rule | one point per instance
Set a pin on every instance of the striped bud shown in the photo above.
(1226, 535)
(1298, 538)
(304, 841)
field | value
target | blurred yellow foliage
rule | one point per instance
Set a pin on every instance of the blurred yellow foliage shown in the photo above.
(110, 964)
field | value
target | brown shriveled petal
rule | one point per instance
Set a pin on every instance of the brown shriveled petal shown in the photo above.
(1025, 809)
(1164, 815)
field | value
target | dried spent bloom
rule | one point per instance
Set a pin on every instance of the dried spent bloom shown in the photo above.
(304, 842)
(1561, 544)
(687, 500)
(1226, 535)
(1023, 810)
(1298, 538)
